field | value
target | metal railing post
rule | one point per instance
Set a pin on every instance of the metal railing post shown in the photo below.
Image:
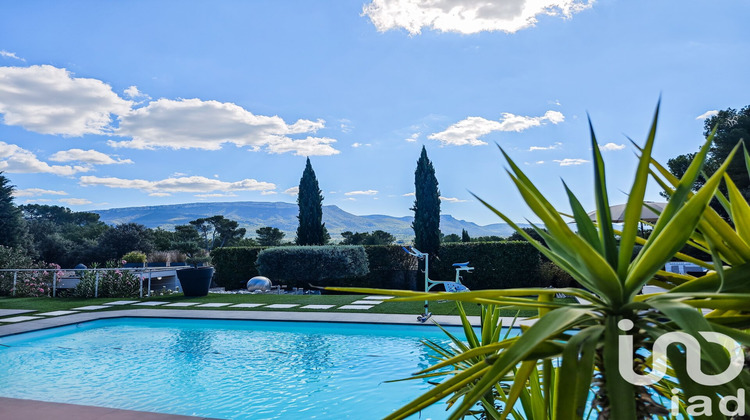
(96, 285)
(149, 283)
(15, 278)
(140, 289)
(54, 284)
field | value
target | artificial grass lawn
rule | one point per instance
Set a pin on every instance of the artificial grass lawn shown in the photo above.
(45, 304)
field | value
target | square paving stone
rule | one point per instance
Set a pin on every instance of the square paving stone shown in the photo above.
(247, 305)
(282, 305)
(357, 307)
(317, 306)
(58, 313)
(378, 297)
(6, 312)
(366, 302)
(182, 304)
(213, 305)
(19, 318)
(90, 308)
(151, 303)
(122, 302)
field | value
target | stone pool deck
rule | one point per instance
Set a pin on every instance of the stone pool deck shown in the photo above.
(15, 409)
(288, 316)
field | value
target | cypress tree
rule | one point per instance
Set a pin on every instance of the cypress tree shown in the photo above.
(465, 236)
(13, 229)
(426, 207)
(311, 230)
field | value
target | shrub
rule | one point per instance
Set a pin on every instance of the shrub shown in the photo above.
(134, 257)
(552, 275)
(112, 283)
(28, 283)
(298, 266)
(159, 256)
(235, 266)
(497, 265)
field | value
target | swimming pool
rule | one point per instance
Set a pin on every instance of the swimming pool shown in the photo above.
(221, 368)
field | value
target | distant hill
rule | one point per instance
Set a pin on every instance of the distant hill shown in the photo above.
(253, 215)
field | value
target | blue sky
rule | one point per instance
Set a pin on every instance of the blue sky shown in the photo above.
(131, 103)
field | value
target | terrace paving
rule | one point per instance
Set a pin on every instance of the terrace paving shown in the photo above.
(11, 408)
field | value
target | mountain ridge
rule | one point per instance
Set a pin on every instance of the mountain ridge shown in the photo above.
(256, 214)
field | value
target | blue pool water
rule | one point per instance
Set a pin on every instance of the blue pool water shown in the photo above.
(223, 369)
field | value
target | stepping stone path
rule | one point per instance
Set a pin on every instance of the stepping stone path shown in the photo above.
(357, 307)
(58, 313)
(366, 302)
(363, 304)
(6, 312)
(317, 307)
(19, 318)
(282, 305)
(90, 308)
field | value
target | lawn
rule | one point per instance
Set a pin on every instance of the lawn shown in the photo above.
(44, 304)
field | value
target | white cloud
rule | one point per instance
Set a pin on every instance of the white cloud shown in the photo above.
(49, 100)
(466, 16)
(194, 123)
(268, 193)
(215, 195)
(86, 156)
(192, 184)
(132, 92)
(14, 159)
(159, 194)
(368, 192)
(468, 131)
(451, 200)
(36, 192)
(356, 145)
(411, 194)
(75, 201)
(292, 191)
(550, 147)
(413, 138)
(707, 114)
(8, 54)
(571, 162)
(350, 199)
(611, 147)
(346, 126)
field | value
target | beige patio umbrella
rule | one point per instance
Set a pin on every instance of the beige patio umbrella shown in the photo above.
(647, 214)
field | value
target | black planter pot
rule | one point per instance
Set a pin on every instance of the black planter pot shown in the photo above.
(195, 281)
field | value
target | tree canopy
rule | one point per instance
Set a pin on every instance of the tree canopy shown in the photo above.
(269, 236)
(378, 237)
(731, 126)
(13, 229)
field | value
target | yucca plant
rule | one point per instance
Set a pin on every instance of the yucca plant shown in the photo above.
(582, 341)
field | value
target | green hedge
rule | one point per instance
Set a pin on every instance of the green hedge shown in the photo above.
(300, 266)
(497, 265)
(234, 266)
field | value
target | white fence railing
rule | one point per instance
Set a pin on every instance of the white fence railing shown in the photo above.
(145, 274)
